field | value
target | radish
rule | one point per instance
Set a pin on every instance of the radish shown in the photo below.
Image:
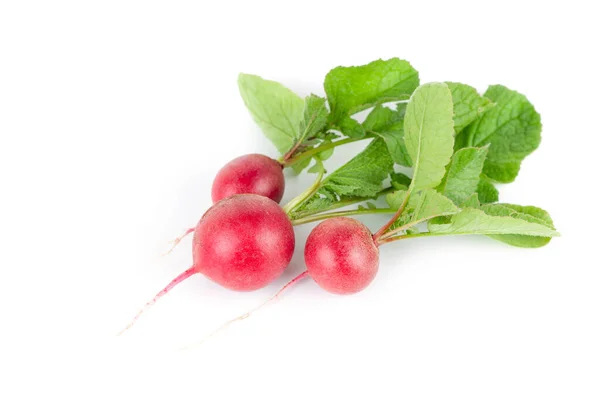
(243, 243)
(253, 173)
(341, 255)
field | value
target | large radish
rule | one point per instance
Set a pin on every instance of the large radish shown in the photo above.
(242, 243)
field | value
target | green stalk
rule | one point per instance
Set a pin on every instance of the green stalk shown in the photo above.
(377, 236)
(307, 194)
(286, 162)
(343, 213)
(405, 237)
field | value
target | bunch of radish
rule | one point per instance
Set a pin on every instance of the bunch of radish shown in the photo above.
(435, 155)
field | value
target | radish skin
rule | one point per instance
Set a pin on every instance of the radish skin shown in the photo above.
(341, 255)
(254, 174)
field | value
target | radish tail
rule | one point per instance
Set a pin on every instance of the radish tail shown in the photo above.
(174, 243)
(189, 272)
(248, 314)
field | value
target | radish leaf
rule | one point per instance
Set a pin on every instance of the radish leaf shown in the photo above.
(422, 206)
(468, 105)
(356, 88)
(486, 191)
(388, 125)
(473, 221)
(463, 174)
(276, 109)
(428, 134)
(512, 128)
(528, 213)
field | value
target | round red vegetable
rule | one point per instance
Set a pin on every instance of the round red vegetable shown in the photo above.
(253, 173)
(242, 243)
(341, 256)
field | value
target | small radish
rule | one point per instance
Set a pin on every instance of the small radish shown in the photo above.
(243, 243)
(253, 173)
(341, 255)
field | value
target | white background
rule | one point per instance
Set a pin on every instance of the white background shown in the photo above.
(116, 115)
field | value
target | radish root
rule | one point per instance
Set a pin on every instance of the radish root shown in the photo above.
(174, 243)
(189, 272)
(248, 314)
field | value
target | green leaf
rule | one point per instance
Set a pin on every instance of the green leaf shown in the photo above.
(468, 105)
(472, 202)
(362, 175)
(421, 206)
(388, 125)
(299, 166)
(463, 174)
(400, 181)
(473, 221)
(428, 134)
(314, 118)
(356, 88)
(317, 167)
(528, 213)
(321, 201)
(512, 128)
(487, 192)
(351, 128)
(326, 154)
(277, 110)
(381, 118)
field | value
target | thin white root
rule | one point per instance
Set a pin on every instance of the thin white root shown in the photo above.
(174, 243)
(247, 314)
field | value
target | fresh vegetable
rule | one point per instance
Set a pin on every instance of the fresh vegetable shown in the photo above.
(441, 198)
(242, 243)
(341, 256)
(435, 152)
(310, 128)
(253, 173)
(441, 194)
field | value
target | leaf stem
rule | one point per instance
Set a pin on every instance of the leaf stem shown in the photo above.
(377, 236)
(406, 226)
(289, 161)
(343, 213)
(404, 237)
(289, 154)
(307, 194)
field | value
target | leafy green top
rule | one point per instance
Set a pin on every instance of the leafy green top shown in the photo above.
(456, 142)
(356, 88)
(428, 134)
(512, 127)
(276, 109)
(302, 130)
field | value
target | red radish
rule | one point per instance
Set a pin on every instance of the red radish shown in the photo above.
(341, 255)
(253, 173)
(242, 243)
